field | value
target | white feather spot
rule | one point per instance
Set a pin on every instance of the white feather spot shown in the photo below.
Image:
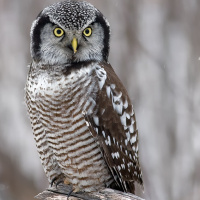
(131, 129)
(108, 91)
(108, 141)
(112, 86)
(117, 102)
(87, 123)
(126, 104)
(130, 164)
(118, 97)
(114, 140)
(132, 121)
(96, 120)
(117, 143)
(133, 148)
(123, 119)
(128, 116)
(104, 134)
(128, 136)
(123, 166)
(135, 172)
(118, 108)
(133, 139)
(96, 129)
(115, 155)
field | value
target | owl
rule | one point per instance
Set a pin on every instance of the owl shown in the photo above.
(81, 115)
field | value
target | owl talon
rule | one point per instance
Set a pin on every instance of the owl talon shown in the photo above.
(74, 190)
(53, 181)
(57, 180)
(69, 194)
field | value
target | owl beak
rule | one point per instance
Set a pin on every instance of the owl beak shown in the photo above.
(74, 45)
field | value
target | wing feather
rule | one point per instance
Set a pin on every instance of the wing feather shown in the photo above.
(113, 124)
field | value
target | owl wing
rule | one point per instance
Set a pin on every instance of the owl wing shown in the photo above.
(113, 126)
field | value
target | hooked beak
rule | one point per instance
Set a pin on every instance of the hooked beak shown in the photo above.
(74, 44)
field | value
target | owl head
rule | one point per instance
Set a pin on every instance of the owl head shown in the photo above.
(70, 32)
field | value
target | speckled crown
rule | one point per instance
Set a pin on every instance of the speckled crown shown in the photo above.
(71, 14)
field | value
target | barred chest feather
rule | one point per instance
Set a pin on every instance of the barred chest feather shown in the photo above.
(57, 100)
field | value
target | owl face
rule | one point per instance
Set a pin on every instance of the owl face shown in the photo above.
(70, 32)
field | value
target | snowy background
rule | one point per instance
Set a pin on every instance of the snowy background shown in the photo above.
(155, 50)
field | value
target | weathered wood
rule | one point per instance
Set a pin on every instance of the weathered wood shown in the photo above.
(61, 193)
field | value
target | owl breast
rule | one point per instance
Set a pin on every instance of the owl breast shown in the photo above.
(57, 100)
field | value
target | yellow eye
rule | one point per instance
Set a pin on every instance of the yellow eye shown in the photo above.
(58, 32)
(87, 32)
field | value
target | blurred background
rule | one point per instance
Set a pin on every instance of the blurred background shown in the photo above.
(155, 50)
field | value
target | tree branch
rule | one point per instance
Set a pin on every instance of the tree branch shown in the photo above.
(62, 193)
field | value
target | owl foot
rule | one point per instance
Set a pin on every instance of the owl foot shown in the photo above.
(71, 191)
(74, 190)
(58, 180)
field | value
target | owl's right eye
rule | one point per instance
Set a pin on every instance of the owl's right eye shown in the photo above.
(58, 32)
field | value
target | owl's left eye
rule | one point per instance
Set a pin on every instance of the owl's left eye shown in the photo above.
(87, 32)
(58, 32)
